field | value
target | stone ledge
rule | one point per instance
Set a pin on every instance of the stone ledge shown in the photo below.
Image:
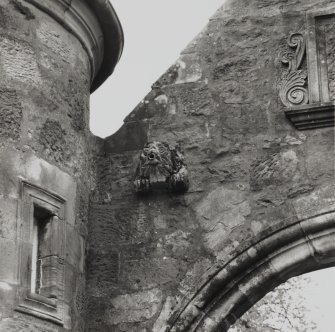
(318, 115)
(97, 27)
(50, 315)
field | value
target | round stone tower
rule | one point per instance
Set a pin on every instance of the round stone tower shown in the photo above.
(53, 54)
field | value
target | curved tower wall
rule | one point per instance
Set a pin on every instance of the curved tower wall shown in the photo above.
(51, 57)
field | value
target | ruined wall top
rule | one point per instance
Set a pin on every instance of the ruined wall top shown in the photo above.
(96, 25)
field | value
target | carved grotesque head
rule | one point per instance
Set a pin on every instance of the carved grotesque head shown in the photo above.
(155, 161)
(158, 167)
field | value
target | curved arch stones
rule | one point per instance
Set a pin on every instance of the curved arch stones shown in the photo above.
(303, 247)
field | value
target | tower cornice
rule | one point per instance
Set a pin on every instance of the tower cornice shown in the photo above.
(97, 27)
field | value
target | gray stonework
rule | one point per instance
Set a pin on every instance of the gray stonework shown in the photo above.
(50, 59)
(261, 192)
(251, 174)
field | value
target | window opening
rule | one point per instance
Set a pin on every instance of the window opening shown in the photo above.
(44, 255)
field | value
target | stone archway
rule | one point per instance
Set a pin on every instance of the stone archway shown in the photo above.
(303, 247)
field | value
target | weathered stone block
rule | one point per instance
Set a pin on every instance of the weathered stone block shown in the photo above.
(148, 273)
(19, 62)
(51, 138)
(75, 291)
(57, 41)
(10, 114)
(74, 248)
(319, 201)
(8, 218)
(192, 99)
(219, 212)
(8, 271)
(137, 307)
(320, 149)
(189, 68)
(7, 297)
(123, 225)
(278, 168)
(78, 102)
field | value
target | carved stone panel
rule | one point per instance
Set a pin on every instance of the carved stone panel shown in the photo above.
(310, 95)
(161, 167)
(293, 90)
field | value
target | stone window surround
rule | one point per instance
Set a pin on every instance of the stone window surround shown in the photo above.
(50, 309)
(320, 110)
(317, 61)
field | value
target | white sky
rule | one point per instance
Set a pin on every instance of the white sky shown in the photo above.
(156, 31)
(320, 296)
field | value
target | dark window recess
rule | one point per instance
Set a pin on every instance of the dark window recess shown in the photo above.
(44, 255)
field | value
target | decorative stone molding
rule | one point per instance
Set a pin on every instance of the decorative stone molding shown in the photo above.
(97, 27)
(292, 90)
(161, 167)
(310, 105)
(46, 302)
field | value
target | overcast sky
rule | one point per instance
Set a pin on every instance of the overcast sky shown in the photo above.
(156, 31)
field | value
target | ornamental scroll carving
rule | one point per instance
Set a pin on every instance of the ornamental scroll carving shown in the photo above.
(161, 167)
(307, 87)
(292, 87)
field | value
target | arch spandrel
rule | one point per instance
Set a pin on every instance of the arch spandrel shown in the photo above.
(303, 247)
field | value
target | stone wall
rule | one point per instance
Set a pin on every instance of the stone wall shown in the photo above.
(251, 172)
(44, 141)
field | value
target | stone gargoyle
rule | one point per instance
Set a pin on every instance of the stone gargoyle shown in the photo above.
(161, 168)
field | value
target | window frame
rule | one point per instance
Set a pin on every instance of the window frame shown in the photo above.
(51, 309)
(318, 85)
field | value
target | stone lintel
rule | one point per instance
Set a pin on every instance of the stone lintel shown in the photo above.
(97, 27)
(312, 116)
